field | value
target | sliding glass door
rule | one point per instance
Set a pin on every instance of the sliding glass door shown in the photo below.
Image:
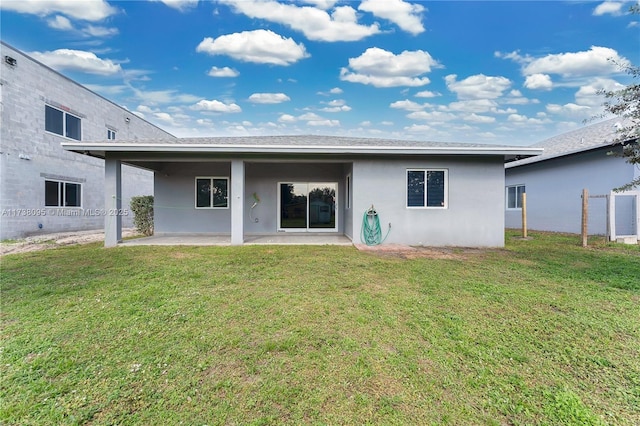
(307, 206)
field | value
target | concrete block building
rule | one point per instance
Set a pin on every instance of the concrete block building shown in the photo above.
(45, 188)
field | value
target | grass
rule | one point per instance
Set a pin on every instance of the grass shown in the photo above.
(541, 332)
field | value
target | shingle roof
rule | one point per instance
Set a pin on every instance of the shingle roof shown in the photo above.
(583, 139)
(299, 140)
(294, 145)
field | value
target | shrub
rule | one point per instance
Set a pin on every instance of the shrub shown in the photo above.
(142, 208)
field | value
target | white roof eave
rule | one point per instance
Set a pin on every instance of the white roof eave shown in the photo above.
(292, 149)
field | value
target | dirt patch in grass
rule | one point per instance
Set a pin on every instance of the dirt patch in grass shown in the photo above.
(49, 241)
(420, 252)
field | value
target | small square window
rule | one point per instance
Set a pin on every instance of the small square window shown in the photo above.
(212, 193)
(62, 123)
(111, 134)
(427, 188)
(51, 193)
(72, 129)
(53, 120)
(514, 197)
(62, 194)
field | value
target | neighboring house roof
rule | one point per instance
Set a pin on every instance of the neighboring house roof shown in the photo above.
(296, 144)
(586, 138)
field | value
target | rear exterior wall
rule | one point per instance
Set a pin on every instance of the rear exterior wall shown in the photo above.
(473, 216)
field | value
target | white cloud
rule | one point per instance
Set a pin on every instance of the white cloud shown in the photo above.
(589, 94)
(155, 97)
(259, 46)
(63, 23)
(608, 7)
(515, 98)
(77, 60)
(310, 118)
(324, 123)
(473, 105)
(343, 108)
(181, 5)
(334, 91)
(595, 61)
(336, 105)
(382, 68)
(60, 22)
(93, 11)
(164, 117)
(407, 105)
(427, 94)
(144, 109)
(321, 4)
(268, 98)
(478, 86)
(514, 56)
(405, 15)
(204, 122)
(433, 116)
(97, 31)
(523, 119)
(570, 109)
(538, 82)
(216, 106)
(418, 128)
(314, 23)
(480, 119)
(107, 91)
(222, 72)
(287, 118)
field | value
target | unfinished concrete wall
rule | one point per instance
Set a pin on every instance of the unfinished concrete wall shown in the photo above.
(29, 154)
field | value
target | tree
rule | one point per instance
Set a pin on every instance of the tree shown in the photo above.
(625, 103)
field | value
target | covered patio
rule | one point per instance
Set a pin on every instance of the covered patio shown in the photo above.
(309, 189)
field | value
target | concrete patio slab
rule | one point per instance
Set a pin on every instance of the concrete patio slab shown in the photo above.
(225, 240)
(307, 239)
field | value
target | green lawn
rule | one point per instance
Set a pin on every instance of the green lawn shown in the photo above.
(541, 332)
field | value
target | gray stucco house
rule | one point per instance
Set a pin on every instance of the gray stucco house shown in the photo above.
(431, 193)
(554, 181)
(44, 188)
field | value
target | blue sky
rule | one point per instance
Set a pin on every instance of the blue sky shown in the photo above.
(492, 72)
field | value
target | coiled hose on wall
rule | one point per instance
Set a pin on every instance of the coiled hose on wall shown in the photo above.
(371, 233)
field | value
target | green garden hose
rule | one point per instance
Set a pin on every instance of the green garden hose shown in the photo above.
(371, 233)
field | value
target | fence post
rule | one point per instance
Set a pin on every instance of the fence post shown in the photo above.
(608, 231)
(524, 214)
(585, 216)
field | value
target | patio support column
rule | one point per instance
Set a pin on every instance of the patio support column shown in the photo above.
(112, 201)
(237, 202)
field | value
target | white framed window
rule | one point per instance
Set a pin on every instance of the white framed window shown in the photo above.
(514, 197)
(111, 134)
(348, 192)
(62, 123)
(427, 188)
(212, 192)
(62, 194)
